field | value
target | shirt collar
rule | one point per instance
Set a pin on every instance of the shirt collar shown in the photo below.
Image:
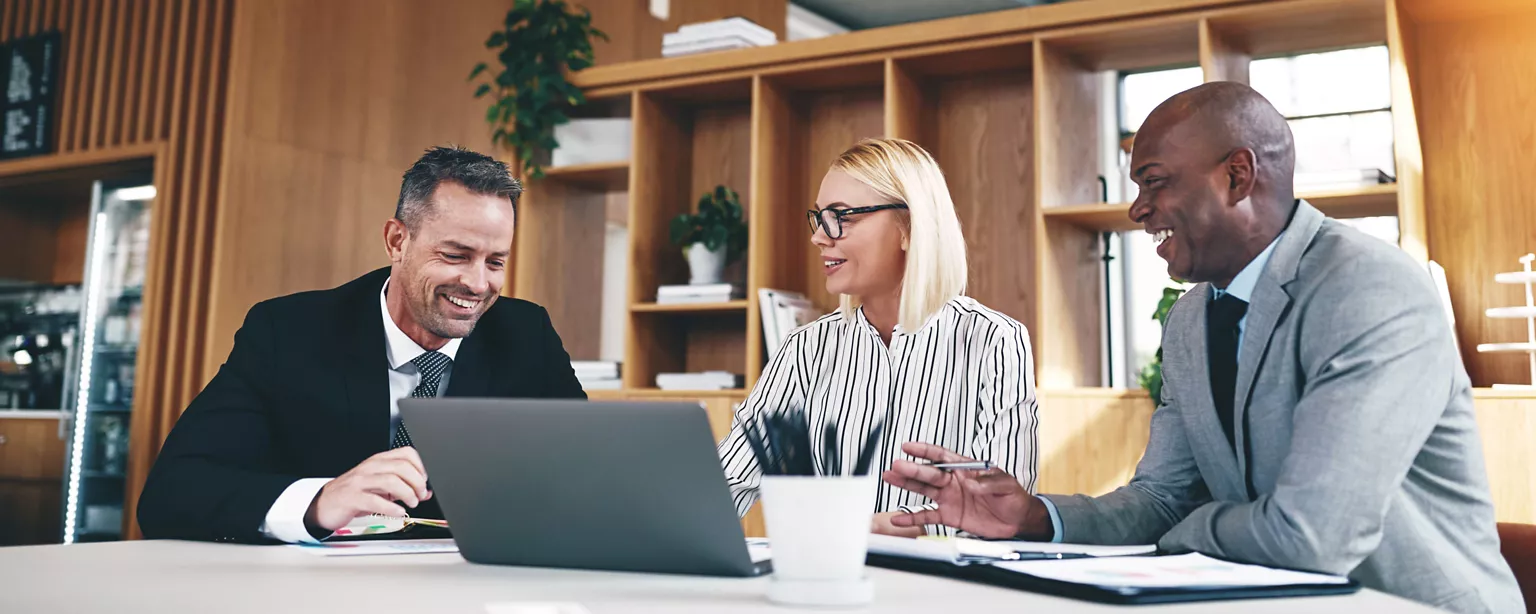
(1242, 285)
(399, 348)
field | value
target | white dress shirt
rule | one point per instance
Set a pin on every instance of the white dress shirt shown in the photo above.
(285, 519)
(964, 381)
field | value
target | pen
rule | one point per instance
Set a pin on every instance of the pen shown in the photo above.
(1050, 556)
(970, 466)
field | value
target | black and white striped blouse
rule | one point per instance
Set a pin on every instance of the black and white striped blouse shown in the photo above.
(964, 381)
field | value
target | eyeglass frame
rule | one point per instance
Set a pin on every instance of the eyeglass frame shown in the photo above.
(813, 216)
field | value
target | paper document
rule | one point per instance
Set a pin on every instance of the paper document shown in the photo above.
(1181, 571)
(1050, 548)
(371, 548)
(961, 550)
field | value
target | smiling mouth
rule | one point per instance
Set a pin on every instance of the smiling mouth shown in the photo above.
(465, 303)
(831, 262)
(1162, 235)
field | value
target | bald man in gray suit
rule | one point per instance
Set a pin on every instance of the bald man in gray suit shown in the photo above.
(1315, 413)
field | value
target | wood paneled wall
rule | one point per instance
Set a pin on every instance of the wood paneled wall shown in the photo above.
(1473, 88)
(146, 80)
(330, 103)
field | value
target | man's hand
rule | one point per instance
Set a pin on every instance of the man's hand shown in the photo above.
(988, 504)
(881, 523)
(372, 487)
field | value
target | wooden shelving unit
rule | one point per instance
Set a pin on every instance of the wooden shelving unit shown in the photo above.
(1010, 112)
(1366, 201)
(603, 176)
(681, 308)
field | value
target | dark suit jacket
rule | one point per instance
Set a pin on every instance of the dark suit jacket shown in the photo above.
(305, 393)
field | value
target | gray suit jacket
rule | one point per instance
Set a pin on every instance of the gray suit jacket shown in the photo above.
(1354, 424)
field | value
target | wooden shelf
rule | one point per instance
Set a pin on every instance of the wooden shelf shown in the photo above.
(738, 305)
(1368, 201)
(604, 176)
(1099, 216)
(657, 393)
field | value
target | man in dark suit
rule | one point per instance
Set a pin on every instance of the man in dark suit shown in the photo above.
(310, 389)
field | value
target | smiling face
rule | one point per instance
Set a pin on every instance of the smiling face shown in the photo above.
(1183, 201)
(869, 258)
(448, 272)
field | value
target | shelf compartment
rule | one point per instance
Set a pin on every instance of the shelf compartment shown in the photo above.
(601, 176)
(729, 306)
(1368, 201)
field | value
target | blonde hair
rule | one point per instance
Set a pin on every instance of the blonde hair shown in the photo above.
(936, 270)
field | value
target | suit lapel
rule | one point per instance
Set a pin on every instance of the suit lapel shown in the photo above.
(1200, 407)
(1269, 303)
(470, 377)
(365, 373)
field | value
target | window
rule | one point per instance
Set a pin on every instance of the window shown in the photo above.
(1338, 104)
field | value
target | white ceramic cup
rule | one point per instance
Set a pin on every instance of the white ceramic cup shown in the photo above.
(818, 528)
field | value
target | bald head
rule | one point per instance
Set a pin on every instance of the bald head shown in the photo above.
(1218, 118)
(1216, 164)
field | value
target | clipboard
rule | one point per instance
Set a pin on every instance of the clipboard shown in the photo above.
(987, 574)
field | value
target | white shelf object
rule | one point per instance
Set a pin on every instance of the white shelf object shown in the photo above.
(1526, 278)
(1490, 348)
(1512, 313)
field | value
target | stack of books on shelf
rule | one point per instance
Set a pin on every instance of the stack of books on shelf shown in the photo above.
(702, 293)
(707, 380)
(1322, 181)
(718, 35)
(597, 374)
(783, 312)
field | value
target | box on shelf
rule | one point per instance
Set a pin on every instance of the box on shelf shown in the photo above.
(719, 35)
(706, 380)
(592, 141)
(703, 293)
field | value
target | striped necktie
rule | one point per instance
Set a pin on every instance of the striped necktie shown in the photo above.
(431, 366)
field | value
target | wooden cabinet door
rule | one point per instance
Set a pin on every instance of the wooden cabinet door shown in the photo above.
(31, 481)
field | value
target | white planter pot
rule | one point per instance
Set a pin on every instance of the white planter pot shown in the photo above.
(705, 266)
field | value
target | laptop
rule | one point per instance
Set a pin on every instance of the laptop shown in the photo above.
(626, 486)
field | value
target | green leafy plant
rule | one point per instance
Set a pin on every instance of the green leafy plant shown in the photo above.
(539, 42)
(1151, 376)
(717, 223)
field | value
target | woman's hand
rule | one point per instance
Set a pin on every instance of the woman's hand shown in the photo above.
(881, 524)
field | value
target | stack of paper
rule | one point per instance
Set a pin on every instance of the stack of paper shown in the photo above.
(707, 380)
(597, 374)
(702, 293)
(783, 312)
(719, 35)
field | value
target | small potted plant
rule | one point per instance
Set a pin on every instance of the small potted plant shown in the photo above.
(712, 237)
(1151, 376)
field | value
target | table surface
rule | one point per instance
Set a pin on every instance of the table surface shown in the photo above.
(169, 577)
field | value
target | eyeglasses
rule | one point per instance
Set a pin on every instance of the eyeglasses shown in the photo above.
(830, 221)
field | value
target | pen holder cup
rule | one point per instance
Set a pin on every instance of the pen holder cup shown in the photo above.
(818, 528)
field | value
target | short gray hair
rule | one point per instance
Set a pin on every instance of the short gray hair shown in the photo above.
(475, 171)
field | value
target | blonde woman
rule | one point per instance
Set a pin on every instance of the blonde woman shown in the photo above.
(907, 347)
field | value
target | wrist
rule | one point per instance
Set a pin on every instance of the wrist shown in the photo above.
(1035, 522)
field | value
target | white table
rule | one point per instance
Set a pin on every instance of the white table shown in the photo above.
(169, 577)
